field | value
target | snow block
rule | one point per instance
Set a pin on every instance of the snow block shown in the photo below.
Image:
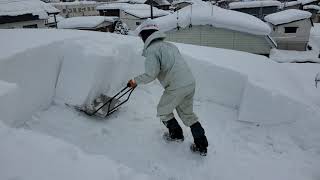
(9, 96)
(218, 84)
(262, 105)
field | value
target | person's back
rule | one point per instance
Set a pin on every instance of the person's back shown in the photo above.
(174, 72)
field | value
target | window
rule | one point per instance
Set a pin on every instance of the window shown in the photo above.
(138, 23)
(79, 9)
(31, 26)
(290, 29)
(92, 8)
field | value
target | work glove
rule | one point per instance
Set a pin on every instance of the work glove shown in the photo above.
(132, 83)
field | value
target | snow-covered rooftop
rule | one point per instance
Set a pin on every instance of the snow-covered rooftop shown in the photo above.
(287, 16)
(74, 3)
(162, 2)
(131, 1)
(21, 7)
(202, 14)
(253, 4)
(303, 2)
(290, 3)
(138, 10)
(315, 7)
(84, 22)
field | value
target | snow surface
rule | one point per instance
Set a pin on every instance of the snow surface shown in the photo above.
(253, 4)
(58, 18)
(138, 10)
(290, 3)
(20, 7)
(303, 2)
(75, 3)
(231, 86)
(131, 1)
(204, 14)
(287, 16)
(294, 56)
(84, 22)
(315, 7)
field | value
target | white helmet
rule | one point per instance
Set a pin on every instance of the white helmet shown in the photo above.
(146, 25)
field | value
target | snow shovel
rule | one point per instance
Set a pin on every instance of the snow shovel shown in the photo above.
(104, 106)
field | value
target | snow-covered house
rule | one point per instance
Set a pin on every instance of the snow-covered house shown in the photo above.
(92, 23)
(259, 9)
(179, 4)
(77, 8)
(217, 27)
(309, 2)
(315, 10)
(291, 5)
(53, 20)
(25, 14)
(160, 4)
(130, 14)
(291, 29)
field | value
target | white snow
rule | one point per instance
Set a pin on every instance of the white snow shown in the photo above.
(21, 7)
(290, 3)
(253, 4)
(315, 7)
(84, 22)
(294, 56)
(138, 10)
(131, 1)
(75, 3)
(303, 2)
(287, 16)
(231, 86)
(204, 14)
(58, 18)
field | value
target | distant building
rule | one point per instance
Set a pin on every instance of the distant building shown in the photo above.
(130, 14)
(77, 8)
(291, 29)
(212, 26)
(29, 14)
(291, 5)
(91, 23)
(259, 9)
(314, 10)
(160, 4)
(179, 4)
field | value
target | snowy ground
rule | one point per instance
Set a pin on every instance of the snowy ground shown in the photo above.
(273, 143)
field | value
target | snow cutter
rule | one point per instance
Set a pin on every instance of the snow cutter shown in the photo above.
(103, 105)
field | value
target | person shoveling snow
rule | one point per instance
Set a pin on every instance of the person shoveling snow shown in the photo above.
(164, 62)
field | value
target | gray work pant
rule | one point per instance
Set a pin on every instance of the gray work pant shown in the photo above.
(180, 99)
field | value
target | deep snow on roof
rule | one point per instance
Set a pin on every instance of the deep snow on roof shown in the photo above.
(290, 3)
(21, 7)
(204, 14)
(74, 3)
(287, 16)
(131, 1)
(253, 4)
(314, 7)
(303, 2)
(84, 22)
(138, 10)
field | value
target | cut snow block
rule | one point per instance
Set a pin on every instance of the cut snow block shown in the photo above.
(9, 97)
(83, 77)
(263, 106)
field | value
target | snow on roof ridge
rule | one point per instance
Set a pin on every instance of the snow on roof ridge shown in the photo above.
(287, 16)
(21, 7)
(138, 10)
(202, 14)
(84, 22)
(253, 4)
(303, 2)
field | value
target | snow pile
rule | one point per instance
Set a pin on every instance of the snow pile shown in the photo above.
(21, 7)
(303, 2)
(287, 16)
(28, 155)
(315, 7)
(84, 22)
(138, 10)
(285, 56)
(8, 99)
(253, 4)
(204, 14)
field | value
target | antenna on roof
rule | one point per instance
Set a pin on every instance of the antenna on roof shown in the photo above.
(151, 6)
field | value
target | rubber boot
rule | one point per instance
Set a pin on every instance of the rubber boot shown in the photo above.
(200, 140)
(175, 131)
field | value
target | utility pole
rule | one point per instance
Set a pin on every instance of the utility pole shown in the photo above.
(151, 5)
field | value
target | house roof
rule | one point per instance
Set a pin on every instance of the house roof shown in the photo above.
(303, 2)
(21, 7)
(74, 3)
(315, 7)
(290, 3)
(131, 1)
(162, 2)
(287, 16)
(253, 4)
(137, 10)
(84, 22)
(202, 14)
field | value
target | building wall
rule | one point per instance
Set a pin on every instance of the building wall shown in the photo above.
(131, 21)
(292, 41)
(40, 24)
(220, 38)
(77, 10)
(259, 12)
